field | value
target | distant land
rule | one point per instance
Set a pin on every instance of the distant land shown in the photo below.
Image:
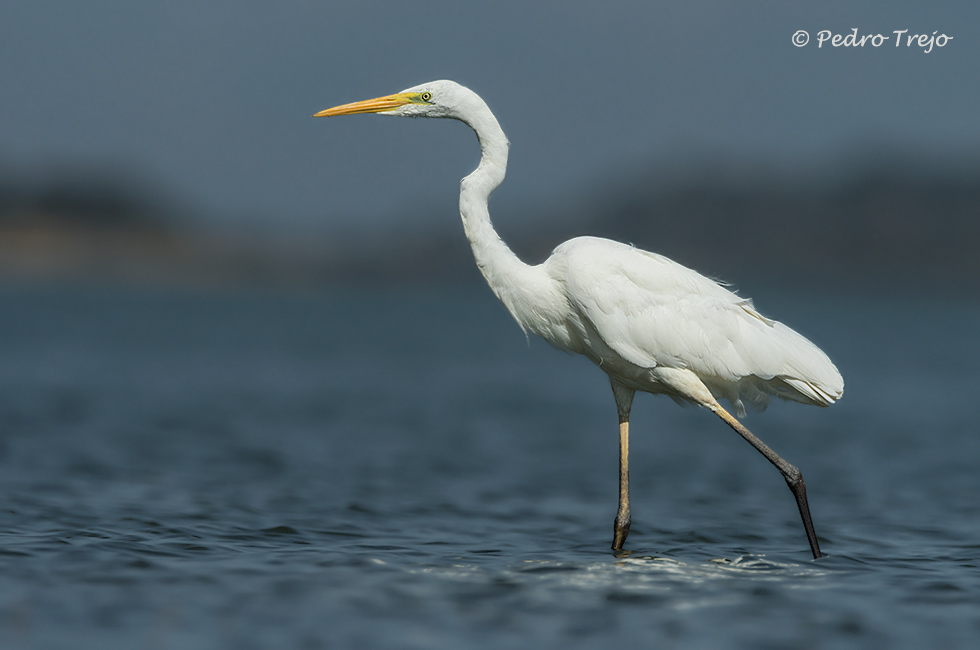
(880, 221)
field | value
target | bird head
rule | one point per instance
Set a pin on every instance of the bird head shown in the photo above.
(433, 99)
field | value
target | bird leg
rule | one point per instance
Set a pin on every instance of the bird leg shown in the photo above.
(621, 526)
(794, 479)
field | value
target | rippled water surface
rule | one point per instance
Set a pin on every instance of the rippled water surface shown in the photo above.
(402, 470)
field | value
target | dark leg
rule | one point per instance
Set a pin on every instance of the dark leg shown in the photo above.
(794, 479)
(621, 526)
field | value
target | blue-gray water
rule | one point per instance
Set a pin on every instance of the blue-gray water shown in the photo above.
(402, 470)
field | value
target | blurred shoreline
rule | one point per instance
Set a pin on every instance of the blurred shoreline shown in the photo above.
(876, 223)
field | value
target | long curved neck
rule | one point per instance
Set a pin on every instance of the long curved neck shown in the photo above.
(511, 279)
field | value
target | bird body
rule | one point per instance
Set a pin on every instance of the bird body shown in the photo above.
(649, 323)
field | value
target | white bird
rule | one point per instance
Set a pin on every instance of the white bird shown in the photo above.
(649, 323)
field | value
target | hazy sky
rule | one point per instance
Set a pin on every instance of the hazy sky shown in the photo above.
(210, 102)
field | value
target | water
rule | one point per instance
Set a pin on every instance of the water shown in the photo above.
(402, 470)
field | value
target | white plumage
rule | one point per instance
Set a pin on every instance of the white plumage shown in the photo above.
(633, 312)
(649, 323)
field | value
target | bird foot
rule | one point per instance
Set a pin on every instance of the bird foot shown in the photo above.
(620, 531)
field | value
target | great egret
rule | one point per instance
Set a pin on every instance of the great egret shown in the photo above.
(649, 323)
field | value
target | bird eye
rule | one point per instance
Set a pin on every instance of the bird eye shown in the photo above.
(426, 96)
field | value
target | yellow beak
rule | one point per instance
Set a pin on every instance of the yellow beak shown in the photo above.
(378, 105)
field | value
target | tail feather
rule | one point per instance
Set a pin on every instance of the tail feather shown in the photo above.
(786, 365)
(807, 374)
(813, 392)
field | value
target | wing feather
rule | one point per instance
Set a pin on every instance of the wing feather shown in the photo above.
(651, 312)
